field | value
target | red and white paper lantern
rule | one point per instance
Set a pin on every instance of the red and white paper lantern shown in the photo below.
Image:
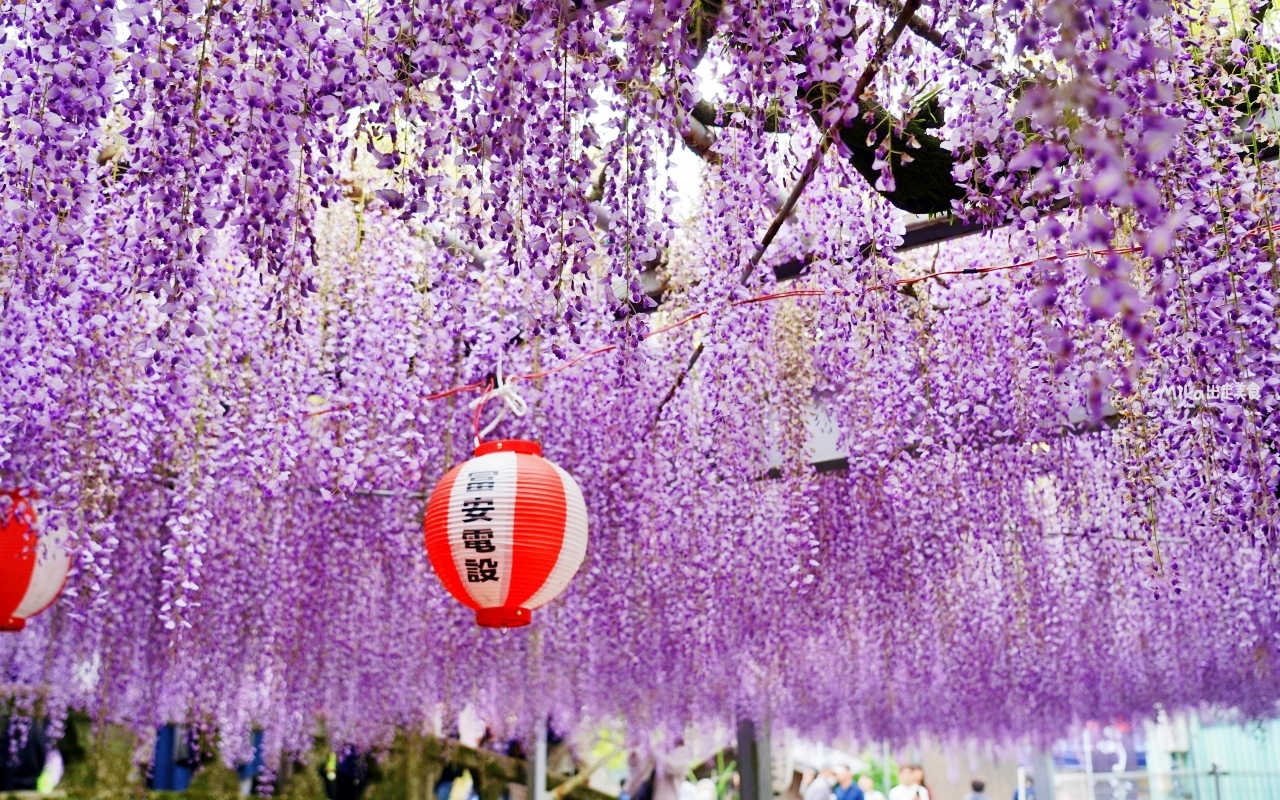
(506, 531)
(33, 569)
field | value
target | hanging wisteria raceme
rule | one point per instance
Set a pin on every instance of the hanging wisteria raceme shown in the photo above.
(248, 248)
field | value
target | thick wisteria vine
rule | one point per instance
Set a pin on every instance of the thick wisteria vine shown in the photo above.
(245, 248)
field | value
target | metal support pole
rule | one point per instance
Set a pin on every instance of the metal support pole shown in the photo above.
(538, 775)
(1086, 743)
(1022, 782)
(1216, 772)
(764, 760)
(1042, 769)
(753, 760)
(748, 768)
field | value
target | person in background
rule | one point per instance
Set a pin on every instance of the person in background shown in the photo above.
(977, 785)
(1031, 790)
(643, 773)
(910, 784)
(734, 790)
(464, 787)
(822, 786)
(444, 784)
(868, 786)
(845, 788)
(807, 777)
(919, 770)
(346, 776)
(796, 790)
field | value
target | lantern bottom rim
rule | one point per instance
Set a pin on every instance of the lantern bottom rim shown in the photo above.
(17, 624)
(503, 617)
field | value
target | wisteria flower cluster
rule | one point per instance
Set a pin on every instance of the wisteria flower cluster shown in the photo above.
(246, 247)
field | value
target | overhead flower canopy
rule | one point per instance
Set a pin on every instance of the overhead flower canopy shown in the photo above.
(247, 249)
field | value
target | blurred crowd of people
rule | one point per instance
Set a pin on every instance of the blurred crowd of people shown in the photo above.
(840, 783)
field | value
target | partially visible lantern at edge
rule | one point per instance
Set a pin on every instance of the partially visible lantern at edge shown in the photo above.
(33, 569)
(506, 531)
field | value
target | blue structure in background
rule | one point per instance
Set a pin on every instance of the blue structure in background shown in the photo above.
(175, 761)
(171, 767)
(248, 772)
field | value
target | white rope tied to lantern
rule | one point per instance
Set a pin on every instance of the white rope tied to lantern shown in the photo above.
(511, 399)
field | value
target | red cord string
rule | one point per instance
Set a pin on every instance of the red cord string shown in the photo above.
(487, 385)
(475, 416)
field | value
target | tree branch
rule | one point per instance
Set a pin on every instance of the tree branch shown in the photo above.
(936, 38)
(923, 183)
(700, 139)
(860, 88)
(712, 117)
(864, 81)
